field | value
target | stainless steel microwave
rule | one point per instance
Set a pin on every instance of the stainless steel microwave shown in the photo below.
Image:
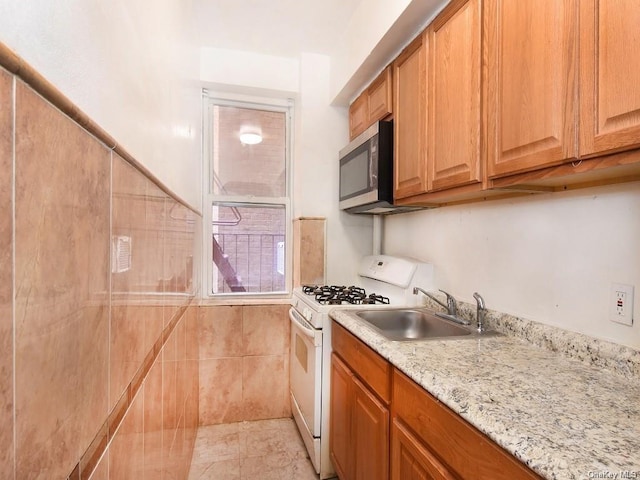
(366, 172)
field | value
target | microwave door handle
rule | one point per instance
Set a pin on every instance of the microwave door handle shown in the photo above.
(373, 163)
(372, 175)
(309, 332)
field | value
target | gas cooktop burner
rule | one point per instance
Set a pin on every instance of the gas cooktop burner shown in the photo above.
(373, 298)
(338, 295)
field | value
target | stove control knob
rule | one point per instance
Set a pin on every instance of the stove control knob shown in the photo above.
(307, 313)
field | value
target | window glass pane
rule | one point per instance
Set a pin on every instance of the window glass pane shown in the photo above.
(248, 248)
(239, 168)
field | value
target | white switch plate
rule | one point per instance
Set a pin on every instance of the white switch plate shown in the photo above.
(621, 304)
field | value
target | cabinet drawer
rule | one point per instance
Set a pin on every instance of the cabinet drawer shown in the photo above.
(465, 450)
(374, 370)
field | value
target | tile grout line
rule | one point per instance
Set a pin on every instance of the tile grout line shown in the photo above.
(110, 307)
(161, 352)
(143, 399)
(13, 266)
(242, 336)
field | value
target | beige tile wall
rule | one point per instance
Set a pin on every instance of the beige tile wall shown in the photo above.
(156, 437)
(62, 183)
(244, 363)
(104, 356)
(99, 357)
(126, 453)
(309, 257)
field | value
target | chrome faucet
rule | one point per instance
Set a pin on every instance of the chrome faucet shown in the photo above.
(480, 311)
(451, 306)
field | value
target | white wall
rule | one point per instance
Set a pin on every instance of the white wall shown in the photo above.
(248, 72)
(320, 130)
(549, 258)
(128, 64)
(376, 33)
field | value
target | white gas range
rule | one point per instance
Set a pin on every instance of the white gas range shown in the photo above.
(385, 281)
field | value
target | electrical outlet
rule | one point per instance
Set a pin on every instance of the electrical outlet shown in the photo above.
(621, 304)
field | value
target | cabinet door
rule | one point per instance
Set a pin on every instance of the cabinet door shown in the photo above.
(358, 116)
(370, 434)
(453, 146)
(341, 399)
(380, 96)
(609, 75)
(409, 85)
(531, 84)
(410, 460)
(463, 449)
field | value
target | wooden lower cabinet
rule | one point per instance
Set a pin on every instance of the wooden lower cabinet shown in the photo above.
(465, 451)
(370, 435)
(340, 421)
(359, 440)
(384, 425)
(410, 460)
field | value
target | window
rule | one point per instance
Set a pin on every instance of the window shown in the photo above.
(247, 150)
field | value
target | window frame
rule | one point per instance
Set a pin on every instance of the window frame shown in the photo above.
(285, 106)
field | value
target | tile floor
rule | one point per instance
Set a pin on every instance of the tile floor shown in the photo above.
(258, 450)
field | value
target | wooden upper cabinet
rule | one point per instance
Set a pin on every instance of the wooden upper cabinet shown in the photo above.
(531, 84)
(410, 89)
(454, 85)
(609, 76)
(380, 96)
(358, 116)
(374, 104)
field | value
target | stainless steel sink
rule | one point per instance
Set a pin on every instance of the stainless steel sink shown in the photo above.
(414, 324)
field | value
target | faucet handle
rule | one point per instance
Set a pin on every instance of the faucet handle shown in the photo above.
(480, 311)
(452, 306)
(479, 300)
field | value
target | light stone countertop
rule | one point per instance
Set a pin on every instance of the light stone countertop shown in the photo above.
(564, 418)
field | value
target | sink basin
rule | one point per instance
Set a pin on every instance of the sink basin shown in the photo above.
(412, 324)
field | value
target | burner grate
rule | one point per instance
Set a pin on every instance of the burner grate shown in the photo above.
(373, 298)
(340, 294)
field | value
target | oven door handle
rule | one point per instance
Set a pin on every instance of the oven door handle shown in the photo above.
(309, 332)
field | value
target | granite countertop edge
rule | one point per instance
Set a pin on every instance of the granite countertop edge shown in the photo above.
(557, 413)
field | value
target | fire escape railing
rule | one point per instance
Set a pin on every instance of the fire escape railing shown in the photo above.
(229, 274)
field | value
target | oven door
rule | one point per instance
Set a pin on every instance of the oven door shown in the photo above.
(306, 371)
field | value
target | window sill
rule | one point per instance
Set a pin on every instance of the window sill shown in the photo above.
(265, 300)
